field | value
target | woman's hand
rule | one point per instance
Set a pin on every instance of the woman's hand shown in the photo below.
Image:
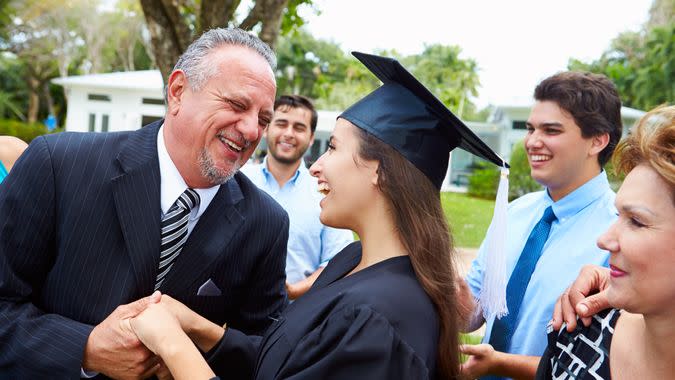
(187, 318)
(586, 297)
(161, 332)
(204, 333)
(157, 327)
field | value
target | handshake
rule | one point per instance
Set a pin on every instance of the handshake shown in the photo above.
(138, 340)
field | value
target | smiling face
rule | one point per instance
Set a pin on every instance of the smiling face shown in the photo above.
(211, 133)
(348, 182)
(642, 244)
(560, 157)
(289, 135)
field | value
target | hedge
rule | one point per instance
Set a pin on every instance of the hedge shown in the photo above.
(25, 131)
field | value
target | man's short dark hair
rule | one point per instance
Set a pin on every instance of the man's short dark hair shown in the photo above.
(297, 101)
(591, 99)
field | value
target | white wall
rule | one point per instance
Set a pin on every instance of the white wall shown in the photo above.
(125, 108)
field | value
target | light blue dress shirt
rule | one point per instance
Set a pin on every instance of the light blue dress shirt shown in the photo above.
(310, 243)
(582, 216)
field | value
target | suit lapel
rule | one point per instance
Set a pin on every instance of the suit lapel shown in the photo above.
(137, 200)
(208, 241)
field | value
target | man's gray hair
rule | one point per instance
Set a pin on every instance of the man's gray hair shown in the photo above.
(198, 70)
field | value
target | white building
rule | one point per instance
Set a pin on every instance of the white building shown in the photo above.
(129, 100)
(113, 102)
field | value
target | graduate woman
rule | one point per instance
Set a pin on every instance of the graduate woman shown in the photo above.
(384, 307)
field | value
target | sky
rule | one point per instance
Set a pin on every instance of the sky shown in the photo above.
(516, 43)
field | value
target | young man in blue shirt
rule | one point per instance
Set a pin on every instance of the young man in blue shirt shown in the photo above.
(572, 130)
(284, 176)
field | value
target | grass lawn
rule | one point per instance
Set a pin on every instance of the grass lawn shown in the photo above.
(469, 218)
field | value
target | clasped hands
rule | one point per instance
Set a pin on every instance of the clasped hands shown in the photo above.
(130, 342)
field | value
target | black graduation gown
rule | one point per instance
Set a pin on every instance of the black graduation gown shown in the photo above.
(377, 323)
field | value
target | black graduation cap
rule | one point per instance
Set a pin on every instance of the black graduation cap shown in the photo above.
(408, 117)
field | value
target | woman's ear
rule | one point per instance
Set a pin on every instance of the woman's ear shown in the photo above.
(375, 175)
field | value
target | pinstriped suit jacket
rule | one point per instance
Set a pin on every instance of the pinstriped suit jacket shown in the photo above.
(80, 233)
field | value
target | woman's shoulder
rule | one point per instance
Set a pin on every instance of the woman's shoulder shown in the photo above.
(10, 150)
(582, 353)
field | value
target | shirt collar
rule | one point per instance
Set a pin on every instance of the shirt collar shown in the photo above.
(577, 200)
(268, 175)
(172, 184)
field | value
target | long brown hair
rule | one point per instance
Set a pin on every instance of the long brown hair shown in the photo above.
(420, 222)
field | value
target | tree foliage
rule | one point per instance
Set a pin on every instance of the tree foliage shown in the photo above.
(50, 38)
(452, 79)
(641, 64)
(485, 178)
(322, 71)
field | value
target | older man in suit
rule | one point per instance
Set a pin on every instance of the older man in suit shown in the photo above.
(89, 222)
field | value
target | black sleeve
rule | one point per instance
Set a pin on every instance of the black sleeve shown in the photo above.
(234, 356)
(544, 369)
(354, 343)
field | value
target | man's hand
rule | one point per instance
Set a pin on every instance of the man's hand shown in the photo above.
(585, 297)
(115, 351)
(482, 360)
(294, 291)
(301, 287)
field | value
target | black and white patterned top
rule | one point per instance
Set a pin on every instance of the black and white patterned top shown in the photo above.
(581, 354)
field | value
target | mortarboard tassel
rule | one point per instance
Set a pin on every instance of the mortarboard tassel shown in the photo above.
(493, 291)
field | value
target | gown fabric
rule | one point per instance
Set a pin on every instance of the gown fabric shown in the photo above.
(377, 323)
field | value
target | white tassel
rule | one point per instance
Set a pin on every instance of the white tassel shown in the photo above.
(493, 291)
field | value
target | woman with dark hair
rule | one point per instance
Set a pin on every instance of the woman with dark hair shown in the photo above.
(633, 338)
(384, 307)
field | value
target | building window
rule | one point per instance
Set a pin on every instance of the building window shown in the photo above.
(158, 102)
(99, 97)
(519, 124)
(92, 122)
(104, 123)
(145, 119)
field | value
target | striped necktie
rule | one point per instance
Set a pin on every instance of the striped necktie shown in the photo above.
(175, 232)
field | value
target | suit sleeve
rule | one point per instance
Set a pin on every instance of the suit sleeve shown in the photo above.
(35, 344)
(354, 343)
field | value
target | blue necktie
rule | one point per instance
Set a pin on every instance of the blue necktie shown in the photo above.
(502, 329)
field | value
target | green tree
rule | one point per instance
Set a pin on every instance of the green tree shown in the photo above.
(520, 180)
(485, 177)
(641, 64)
(49, 38)
(323, 71)
(13, 94)
(452, 79)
